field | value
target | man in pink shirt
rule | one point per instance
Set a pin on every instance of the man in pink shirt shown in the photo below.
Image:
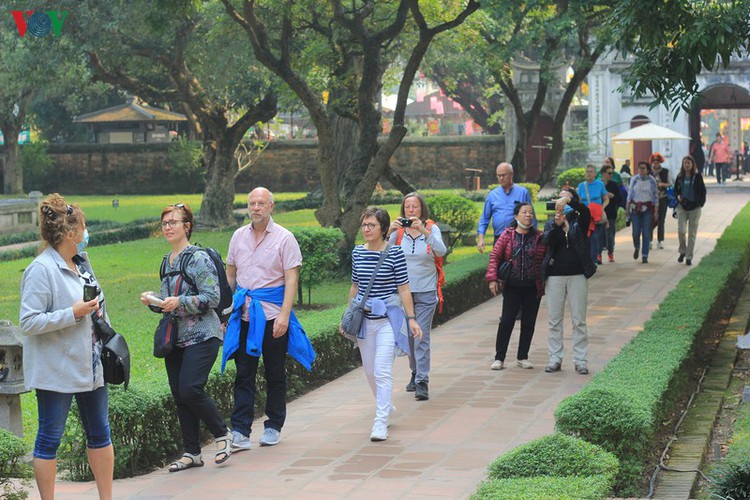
(263, 257)
(721, 156)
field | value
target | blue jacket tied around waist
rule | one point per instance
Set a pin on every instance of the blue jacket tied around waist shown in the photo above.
(299, 346)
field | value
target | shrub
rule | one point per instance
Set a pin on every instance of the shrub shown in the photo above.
(731, 478)
(12, 451)
(545, 488)
(38, 174)
(188, 171)
(572, 177)
(555, 455)
(321, 261)
(624, 405)
(458, 212)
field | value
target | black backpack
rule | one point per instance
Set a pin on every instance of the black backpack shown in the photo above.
(224, 309)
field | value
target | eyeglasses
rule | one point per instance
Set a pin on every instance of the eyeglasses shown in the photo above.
(368, 227)
(171, 223)
(68, 209)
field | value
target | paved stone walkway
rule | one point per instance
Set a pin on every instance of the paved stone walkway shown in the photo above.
(441, 447)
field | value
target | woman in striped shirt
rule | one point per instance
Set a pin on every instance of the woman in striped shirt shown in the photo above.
(385, 326)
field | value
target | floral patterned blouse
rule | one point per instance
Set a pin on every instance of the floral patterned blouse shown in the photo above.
(197, 321)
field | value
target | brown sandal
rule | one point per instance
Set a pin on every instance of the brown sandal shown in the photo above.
(186, 461)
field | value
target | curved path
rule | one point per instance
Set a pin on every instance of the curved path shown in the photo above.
(441, 447)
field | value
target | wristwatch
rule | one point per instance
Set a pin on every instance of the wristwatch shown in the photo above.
(410, 316)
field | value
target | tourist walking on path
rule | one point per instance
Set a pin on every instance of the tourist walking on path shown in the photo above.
(641, 209)
(690, 191)
(567, 266)
(422, 243)
(191, 298)
(593, 194)
(263, 263)
(499, 205)
(610, 211)
(384, 328)
(663, 182)
(721, 157)
(61, 352)
(521, 246)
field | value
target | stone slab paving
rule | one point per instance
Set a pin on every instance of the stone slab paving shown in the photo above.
(439, 448)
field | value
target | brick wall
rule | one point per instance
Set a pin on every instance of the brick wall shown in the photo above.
(283, 166)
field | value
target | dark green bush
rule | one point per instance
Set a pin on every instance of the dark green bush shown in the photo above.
(731, 477)
(545, 488)
(624, 405)
(12, 451)
(555, 455)
(572, 177)
(456, 211)
(15, 238)
(38, 174)
(321, 260)
(21, 253)
(188, 171)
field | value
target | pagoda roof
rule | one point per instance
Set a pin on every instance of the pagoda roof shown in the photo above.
(131, 111)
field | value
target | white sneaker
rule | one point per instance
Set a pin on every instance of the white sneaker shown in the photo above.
(660, 246)
(379, 432)
(525, 363)
(497, 365)
(240, 442)
(270, 437)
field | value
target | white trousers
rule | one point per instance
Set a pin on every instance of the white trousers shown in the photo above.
(378, 350)
(690, 219)
(576, 290)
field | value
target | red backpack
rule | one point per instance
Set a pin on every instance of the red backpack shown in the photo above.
(438, 264)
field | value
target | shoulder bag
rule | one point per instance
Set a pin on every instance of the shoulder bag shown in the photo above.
(115, 355)
(506, 266)
(351, 321)
(165, 335)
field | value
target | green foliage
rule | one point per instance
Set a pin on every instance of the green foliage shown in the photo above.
(555, 455)
(188, 171)
(731, 477)
(37, 167)
(545, 488)
(12, 451)
(572, 177)
(623, 406)
(578, 144)
(458, 212)
(320, 258)
(533, 190)
(14, 238)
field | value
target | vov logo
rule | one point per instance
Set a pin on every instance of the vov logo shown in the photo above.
(39, 24)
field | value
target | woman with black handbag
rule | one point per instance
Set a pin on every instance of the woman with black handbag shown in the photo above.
(690, 191)
(198, 337)
(380, 269)
(515, 270)
(61, 352)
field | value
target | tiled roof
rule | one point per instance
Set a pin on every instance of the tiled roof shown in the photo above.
(130, 112)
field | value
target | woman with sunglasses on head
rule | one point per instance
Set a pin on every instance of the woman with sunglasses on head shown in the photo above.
(61, 351)
(385, 326)
(690, 191)
(199, 335)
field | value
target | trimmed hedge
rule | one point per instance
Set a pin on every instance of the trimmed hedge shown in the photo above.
(12, 451)
(545, 488)
(143, 420)
(622, 408)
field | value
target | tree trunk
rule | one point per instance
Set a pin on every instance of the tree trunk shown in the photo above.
(399, 181)
(216, 206)
(345, 136)
(13, 171)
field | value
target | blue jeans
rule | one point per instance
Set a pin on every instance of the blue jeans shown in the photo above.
(53, 408)
(596, 241)
(274, 358)
(642, 222)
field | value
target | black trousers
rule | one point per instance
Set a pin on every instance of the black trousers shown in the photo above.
(187, 370)
(517, 298)
(274, 359)
(661, 220)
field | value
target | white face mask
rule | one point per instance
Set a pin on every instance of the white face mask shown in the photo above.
(522, 225)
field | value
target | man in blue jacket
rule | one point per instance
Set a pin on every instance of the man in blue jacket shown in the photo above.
(500, 203)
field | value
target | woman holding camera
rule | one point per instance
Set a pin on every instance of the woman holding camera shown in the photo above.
(199, 336)
(385, 326)
(61, 352)
(422, 244)
(520, 245)
(567, 266)
(690, 191)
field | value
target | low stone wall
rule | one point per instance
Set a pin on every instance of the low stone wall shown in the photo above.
(431, 162)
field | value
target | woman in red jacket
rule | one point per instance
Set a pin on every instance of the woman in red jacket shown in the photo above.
(521, 246)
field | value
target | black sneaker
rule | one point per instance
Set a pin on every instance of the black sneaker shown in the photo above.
(422, 394)
(689, 262)
(411, 386)
(635, 254)
(681, 257)
(644, 259)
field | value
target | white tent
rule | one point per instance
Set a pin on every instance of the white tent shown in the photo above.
(649, 132)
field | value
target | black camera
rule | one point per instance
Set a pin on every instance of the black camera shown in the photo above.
(405, 222)
(552, 206)
(90, 292)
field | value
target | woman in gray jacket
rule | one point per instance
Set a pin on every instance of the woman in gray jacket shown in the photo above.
(61, 353)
